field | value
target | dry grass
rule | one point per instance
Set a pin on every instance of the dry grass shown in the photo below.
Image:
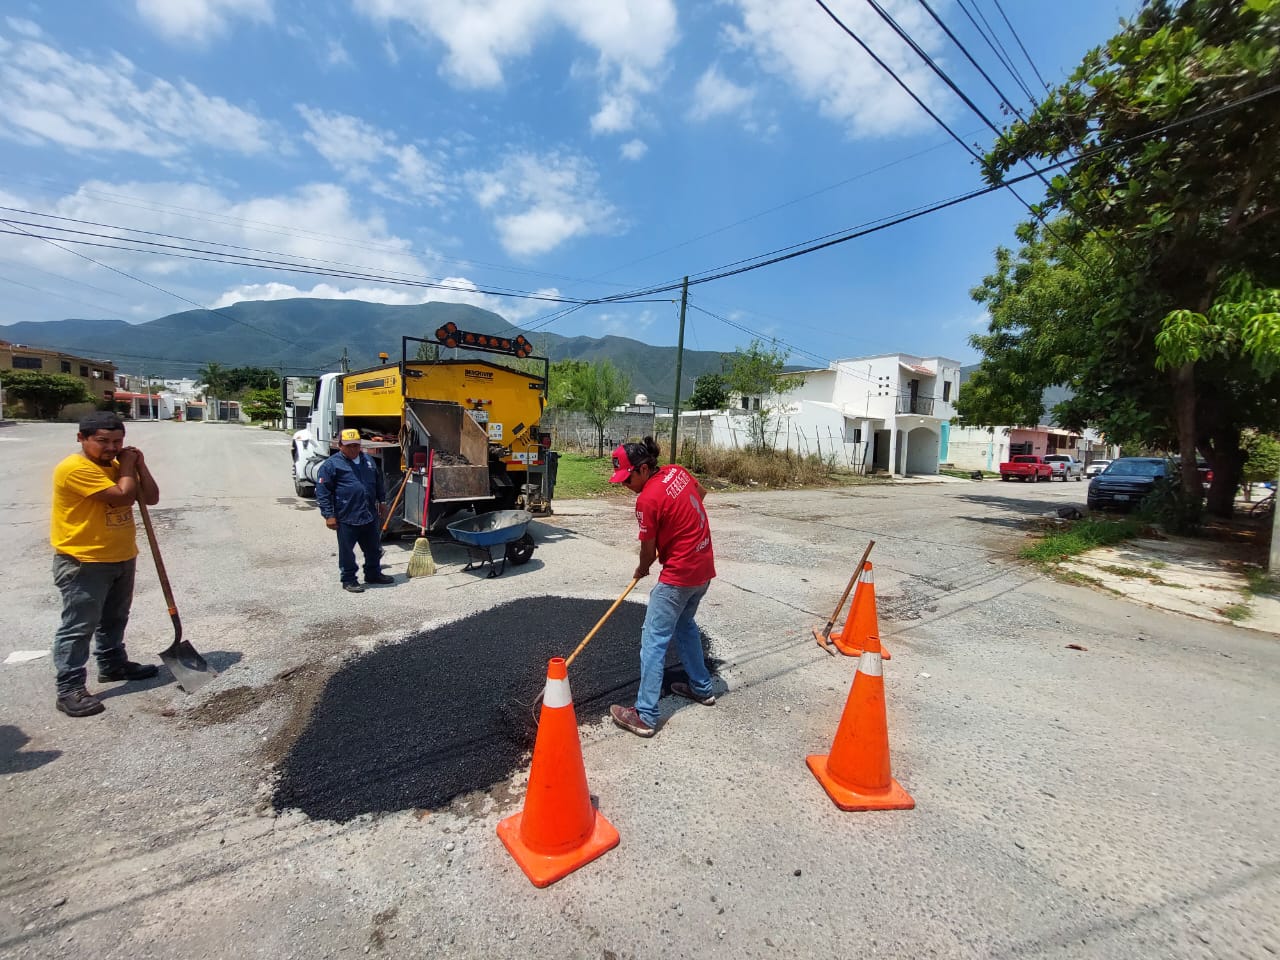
(769, 469)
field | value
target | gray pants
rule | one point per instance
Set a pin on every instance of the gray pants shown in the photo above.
(95, 604)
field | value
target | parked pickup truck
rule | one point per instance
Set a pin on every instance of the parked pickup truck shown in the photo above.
(1026, 467)
(1065, 467)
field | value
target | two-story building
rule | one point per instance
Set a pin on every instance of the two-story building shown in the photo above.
(888, 413)
(99, 376)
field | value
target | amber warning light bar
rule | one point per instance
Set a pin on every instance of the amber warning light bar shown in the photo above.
(451, 336)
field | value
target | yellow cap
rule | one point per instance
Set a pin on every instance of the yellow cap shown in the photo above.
(350, 436)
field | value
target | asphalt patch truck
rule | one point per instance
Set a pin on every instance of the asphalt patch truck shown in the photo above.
(459, 434)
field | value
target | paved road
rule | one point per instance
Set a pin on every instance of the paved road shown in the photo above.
(1117, 802)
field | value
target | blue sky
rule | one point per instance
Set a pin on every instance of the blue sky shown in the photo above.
(562, 148)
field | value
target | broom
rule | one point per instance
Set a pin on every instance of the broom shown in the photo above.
(422, 564)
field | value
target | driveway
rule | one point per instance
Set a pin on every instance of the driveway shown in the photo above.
(1114, 802)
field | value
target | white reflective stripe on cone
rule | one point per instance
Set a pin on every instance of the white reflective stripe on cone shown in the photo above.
(868, 576)
(557, 694)
(870, 664)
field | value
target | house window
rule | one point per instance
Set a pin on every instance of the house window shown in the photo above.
(852, 434)
(946, 392)
(84, 371)
(27, 363)
(746, 403)
(66, 366)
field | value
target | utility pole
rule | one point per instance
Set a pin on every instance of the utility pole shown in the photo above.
(284, 410)
(346, 367)
(675, 410)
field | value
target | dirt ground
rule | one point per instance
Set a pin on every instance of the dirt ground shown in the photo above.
(1114, 802)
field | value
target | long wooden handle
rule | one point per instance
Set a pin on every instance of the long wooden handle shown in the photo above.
(394, 503)
(426, 491)
(164, 577)
(857, 572)
(607, 615)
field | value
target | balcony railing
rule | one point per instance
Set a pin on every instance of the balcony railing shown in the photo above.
(920, 405)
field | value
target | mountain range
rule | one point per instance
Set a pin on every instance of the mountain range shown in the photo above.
(310, 336)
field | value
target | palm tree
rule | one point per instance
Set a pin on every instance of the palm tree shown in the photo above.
(213, 376)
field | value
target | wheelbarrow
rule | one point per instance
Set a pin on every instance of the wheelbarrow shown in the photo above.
(503, 529)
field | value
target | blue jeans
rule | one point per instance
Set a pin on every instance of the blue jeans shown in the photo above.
(369, 536)
(96, 598)
(670, 615)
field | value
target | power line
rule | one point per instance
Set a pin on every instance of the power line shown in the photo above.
(997, 48)
(1007, 101)
(798, 250)
(1018, 40)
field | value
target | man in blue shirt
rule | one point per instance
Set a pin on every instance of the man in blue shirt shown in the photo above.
(352, 496)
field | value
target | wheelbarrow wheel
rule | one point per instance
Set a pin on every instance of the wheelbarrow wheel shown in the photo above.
(519, 551)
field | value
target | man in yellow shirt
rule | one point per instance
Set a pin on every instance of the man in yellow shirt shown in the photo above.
(95, 554)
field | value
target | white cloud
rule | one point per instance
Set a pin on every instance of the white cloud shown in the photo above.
(633, 149)
(541, 202)
(199, 20)
(715, 94)
(455, 290)
(47, 96)
(336, 55)
(23, 27)
(630, 38)
(365, 154)
(796, 41)
(337, 233)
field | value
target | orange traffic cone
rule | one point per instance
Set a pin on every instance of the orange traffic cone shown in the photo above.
(862, 621)
(855, 773)
(559, 830)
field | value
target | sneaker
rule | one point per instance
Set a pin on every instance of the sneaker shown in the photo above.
(79, 703)
(353, 588)
(628, 719)
(684, 690)
(127, 671)
(380, 578)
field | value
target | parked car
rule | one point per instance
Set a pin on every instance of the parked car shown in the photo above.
(1065, 467)
(1126, 482)
(1096, 467)
(1026, 467)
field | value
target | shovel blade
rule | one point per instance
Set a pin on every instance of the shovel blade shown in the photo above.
(190, 669)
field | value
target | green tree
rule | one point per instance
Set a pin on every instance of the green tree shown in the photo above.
(213, 376)
(709, 392)
(560, 389)
(596, 390)
(262, 404)
(44, 394)
(1178, 206)
(755, 374)
(1262, 457)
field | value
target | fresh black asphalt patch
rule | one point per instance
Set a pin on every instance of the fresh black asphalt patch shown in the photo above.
(414, 724)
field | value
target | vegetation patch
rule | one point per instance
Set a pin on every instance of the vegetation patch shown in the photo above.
(1081, 537)
(1132, 573)
(1236, 612)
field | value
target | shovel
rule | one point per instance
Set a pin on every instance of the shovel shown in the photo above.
(537, 703)
(824, 637)
(190, 669)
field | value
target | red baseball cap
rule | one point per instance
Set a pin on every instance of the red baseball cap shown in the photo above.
(621, 464)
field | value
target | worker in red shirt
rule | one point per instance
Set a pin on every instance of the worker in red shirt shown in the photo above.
(674, 530)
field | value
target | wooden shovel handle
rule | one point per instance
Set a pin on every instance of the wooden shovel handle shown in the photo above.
(608, 613)
(857, 571)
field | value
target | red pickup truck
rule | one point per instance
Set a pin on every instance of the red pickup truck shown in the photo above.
(1026, 467)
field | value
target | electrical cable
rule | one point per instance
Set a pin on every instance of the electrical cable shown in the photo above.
(1018, 40)
(993, 41)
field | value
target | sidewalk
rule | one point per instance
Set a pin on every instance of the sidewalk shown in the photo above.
(1196, 578)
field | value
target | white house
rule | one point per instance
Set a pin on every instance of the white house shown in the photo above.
(890, 413)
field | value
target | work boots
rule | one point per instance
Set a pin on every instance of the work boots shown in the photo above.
(79, 703)
(127, 671)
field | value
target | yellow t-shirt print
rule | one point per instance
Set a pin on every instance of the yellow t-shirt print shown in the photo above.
(87, 529)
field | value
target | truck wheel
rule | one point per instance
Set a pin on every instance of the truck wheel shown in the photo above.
(519, 551)
(1035, 478)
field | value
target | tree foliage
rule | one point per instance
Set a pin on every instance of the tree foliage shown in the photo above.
(710, 392)
(1172, 201)
(595, 390)
(262, 405)
(44, 394)
(756, 373)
